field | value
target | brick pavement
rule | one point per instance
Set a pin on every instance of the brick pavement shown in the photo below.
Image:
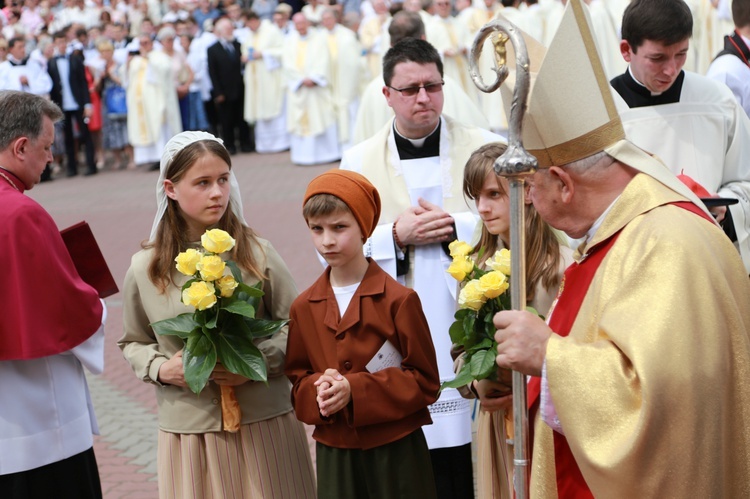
(119, 206)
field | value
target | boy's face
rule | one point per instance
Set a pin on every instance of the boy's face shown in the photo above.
(337, 237)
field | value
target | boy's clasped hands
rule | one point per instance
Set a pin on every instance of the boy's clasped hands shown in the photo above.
(334, 392)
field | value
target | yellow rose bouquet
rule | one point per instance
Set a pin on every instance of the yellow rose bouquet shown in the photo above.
(223, 326)
(484, 292)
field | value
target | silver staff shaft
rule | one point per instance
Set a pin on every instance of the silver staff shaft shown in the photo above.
(516, 164)
(521, 470)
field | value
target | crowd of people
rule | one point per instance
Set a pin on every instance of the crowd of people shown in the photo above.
(142, 71)
(636, 374)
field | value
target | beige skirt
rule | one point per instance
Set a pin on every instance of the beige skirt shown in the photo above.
(494, 457)
(264, 460)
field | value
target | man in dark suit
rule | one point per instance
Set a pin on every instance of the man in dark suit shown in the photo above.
(70, 91)
(225, 70)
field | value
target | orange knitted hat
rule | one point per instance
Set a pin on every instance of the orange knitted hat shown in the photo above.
(355, 190)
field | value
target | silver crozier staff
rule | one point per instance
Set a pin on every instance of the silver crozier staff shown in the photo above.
(515, 164)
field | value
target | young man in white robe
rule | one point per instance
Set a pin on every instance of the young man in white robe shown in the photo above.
(416, 162)
(347, 69)
(310, 117)
(264, 84)
(691, 122)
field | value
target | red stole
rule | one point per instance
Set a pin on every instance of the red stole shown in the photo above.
(47, 309)
(573, 289)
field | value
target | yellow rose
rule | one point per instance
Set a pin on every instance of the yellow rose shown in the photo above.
(493, 284)
(460, 267)
(500, 261)
(217, 241)
(459, 249)
(226, 285)
(471, 296)
(187, 260)
(211, 267)
(200, 294)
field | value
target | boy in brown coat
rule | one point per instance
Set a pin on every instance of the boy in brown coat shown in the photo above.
(360, 356)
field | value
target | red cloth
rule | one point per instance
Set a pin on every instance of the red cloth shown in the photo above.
(46, 308)
(95, 122)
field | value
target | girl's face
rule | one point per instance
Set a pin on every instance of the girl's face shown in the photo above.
(202, 194)
(493, 206)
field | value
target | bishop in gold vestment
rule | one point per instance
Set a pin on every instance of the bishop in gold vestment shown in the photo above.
(640, 377)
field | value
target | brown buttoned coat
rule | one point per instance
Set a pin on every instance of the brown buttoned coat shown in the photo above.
(386, 405)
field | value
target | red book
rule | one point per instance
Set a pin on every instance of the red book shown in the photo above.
(88, 258)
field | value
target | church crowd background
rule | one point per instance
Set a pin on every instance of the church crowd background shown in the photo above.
(265, 76)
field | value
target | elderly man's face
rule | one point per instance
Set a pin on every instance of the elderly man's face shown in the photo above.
(328, 20)
(443, 8)
(540, 193)
(548, 193)
(416, 115)
(300, 23)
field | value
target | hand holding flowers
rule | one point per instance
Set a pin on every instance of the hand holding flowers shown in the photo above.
(223, 327)
(483, 294)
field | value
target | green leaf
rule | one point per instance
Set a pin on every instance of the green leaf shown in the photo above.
(239, 307)
(213, 318)
(240, 356)
(236, 273)
(181, 326)
(260, 328)
(471, 338)
(254, 291)
(463, 378)
(482, 345)
(198, 360)
(456, 332)
(461, 313)
(489, 327)
(482, 363)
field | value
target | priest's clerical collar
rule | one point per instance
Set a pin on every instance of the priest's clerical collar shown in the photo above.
(426, 147)
(15, 62)
(635, 94)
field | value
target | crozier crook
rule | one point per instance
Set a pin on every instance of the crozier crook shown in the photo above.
(516, 160)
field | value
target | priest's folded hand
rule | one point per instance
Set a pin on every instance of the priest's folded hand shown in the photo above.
(521, 341)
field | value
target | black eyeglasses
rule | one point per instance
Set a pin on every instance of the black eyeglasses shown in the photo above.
(430, 88)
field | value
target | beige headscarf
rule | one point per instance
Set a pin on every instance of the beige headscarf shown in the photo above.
(175, 145)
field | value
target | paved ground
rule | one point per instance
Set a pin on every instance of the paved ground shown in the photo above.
(119, 206)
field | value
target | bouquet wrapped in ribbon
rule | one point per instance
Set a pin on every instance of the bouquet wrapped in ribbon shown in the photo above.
(484, 292)
(223, 326)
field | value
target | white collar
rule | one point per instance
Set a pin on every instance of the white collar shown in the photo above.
(415, 142)
(653, 94)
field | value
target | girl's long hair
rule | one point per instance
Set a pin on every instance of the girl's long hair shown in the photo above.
(542, 246)
(171, 234)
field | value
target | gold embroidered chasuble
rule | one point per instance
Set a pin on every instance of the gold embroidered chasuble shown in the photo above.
(651, 384)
